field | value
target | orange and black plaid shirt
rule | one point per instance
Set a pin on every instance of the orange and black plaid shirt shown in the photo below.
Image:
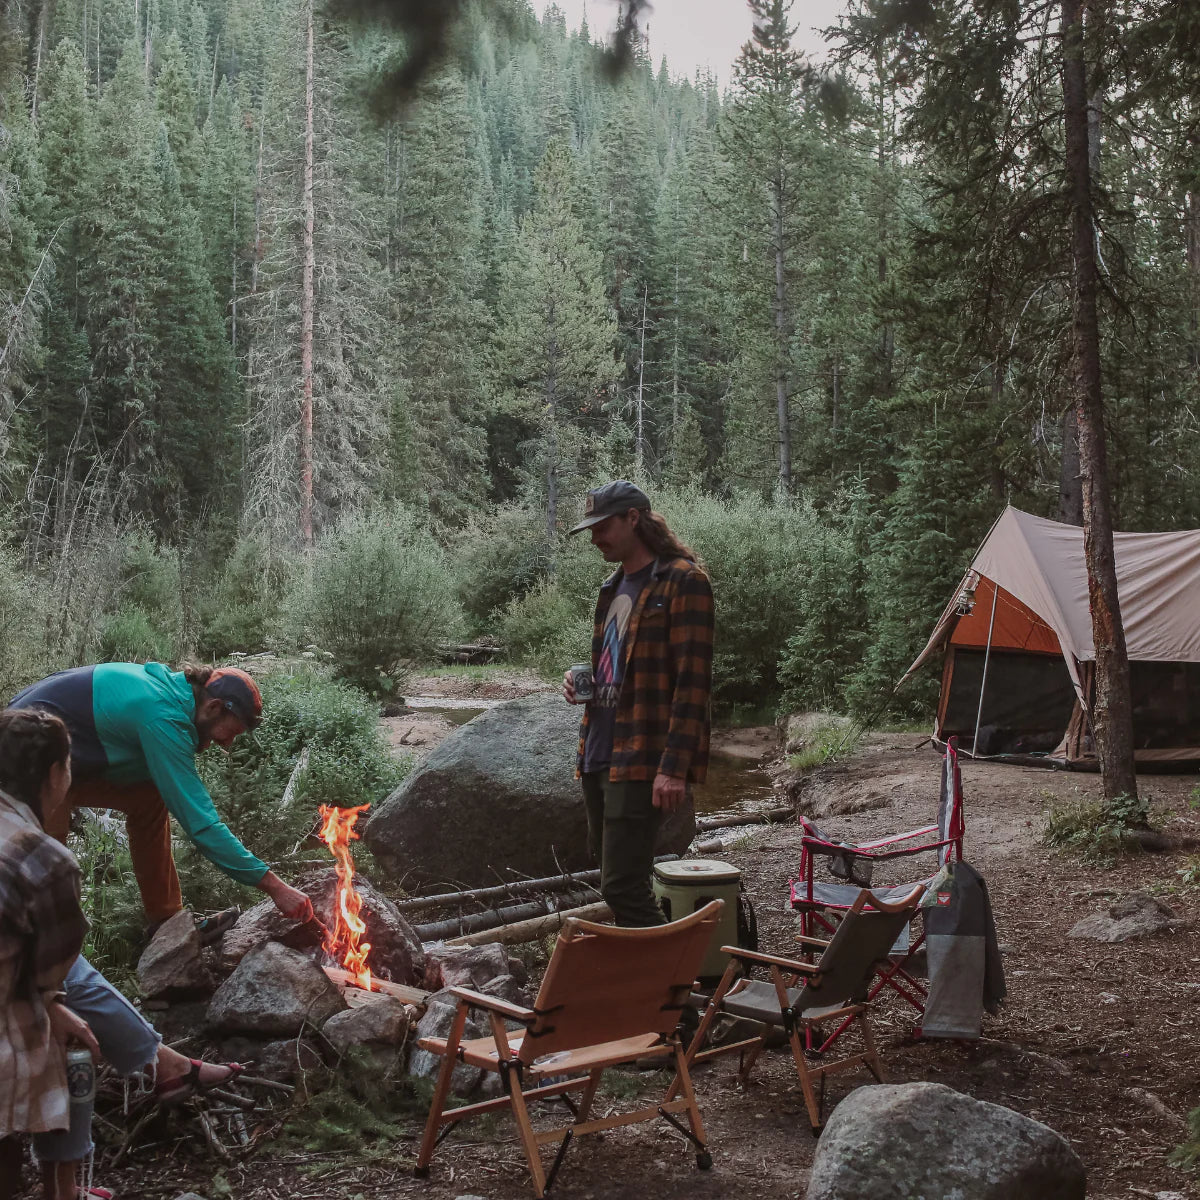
(662, 718)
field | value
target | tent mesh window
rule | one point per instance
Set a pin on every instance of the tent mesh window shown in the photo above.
(1026, 704)
(1166, 704)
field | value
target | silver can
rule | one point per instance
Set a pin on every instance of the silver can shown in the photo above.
(581, 677)
(81, 1075)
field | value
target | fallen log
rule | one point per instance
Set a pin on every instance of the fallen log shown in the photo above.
(766, 816)
(436, 931)
(528, 931)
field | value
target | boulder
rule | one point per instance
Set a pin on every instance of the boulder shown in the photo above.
(465, 966)
(286, 1061)
(1134, 916)
(396, 952)
(496, 799)
(439, 1016)
(173, 963)
(274, 992)
(925, 1141)
(382, 1022)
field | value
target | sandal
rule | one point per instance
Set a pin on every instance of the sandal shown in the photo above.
(184, 1087)
(96, 1193)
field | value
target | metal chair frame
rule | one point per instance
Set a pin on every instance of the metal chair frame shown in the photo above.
(945, 837)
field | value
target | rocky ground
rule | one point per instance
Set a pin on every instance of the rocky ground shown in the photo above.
(1098, 1040)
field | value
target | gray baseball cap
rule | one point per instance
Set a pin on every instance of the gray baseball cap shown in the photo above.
(611, 500)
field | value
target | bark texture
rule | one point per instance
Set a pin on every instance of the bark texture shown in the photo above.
(1112, 715)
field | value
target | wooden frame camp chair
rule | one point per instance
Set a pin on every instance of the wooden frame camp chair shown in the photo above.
(820, 904)
(609, 996)
(836, 989)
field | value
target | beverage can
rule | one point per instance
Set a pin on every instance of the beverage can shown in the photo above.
(81, 1075)
(581, 676)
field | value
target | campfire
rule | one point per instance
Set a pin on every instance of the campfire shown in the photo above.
(343, 939)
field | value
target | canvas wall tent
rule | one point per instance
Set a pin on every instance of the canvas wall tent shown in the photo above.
(1016, 644)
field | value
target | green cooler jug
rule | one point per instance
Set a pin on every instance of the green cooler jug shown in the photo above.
(686, 884)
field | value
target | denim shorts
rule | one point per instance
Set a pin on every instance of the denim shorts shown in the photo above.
(127, 1040)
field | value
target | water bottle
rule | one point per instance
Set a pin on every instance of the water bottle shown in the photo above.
(81, 1075)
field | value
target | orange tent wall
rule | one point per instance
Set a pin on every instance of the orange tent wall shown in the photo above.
(1017, 626)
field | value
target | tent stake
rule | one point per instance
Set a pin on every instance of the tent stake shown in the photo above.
(987, 654)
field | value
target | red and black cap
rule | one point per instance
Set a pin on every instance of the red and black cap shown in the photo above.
(612, 500)
(238, 692)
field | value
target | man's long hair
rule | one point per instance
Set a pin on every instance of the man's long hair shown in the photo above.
(653, 529)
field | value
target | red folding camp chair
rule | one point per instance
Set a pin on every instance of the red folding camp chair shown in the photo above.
(821, 905)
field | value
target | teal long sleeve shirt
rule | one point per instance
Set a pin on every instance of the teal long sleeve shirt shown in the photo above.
(135, 723)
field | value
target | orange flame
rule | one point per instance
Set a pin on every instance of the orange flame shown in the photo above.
(344, 939)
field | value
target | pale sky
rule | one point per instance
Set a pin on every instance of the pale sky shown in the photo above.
(700, 33)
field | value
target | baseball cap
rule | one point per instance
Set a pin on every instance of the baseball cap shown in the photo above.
(611, 500)
(239, 692)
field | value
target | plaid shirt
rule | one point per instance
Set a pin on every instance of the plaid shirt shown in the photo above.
(662, 717)
(41, 934)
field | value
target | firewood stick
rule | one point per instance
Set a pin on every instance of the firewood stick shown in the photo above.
(210, 1136)
(258, 1081)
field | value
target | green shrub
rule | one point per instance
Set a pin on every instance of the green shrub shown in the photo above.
(243, 608)
(111, 900)
(826, 743)
(129, 635)
(1096, 831)
(1188, 1154)
(380, 594)
(755, 552)
(546, 630)
(497, 558)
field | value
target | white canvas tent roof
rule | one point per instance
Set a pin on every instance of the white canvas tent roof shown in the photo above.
(1041, 563)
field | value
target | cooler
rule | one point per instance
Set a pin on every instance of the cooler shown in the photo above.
(684, 885)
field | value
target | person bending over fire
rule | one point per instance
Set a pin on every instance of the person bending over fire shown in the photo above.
(136, 729)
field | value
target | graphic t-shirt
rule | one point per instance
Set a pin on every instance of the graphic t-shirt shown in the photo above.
(610, 670)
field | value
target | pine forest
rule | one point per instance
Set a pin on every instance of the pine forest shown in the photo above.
(289, 359)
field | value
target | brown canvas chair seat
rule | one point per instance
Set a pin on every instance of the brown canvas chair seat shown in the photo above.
(609, 996)
(802, 995)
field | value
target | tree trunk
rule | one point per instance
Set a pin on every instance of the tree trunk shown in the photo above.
(782, 416)
(306, 303)
(1070, 482)
(1192, 234)
(1112, 714)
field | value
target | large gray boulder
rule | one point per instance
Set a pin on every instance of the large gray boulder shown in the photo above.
(925, 1141)
(498, 798)
(274, 992)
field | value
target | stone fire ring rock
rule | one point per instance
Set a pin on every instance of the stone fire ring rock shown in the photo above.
(274, 992)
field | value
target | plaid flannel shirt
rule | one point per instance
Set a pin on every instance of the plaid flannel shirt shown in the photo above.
(41, 933)
(662, 718)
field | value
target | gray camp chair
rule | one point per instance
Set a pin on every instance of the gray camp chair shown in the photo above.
(835, 989)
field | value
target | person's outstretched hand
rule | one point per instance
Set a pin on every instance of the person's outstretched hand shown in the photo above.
(66, 1027)
(290, 901)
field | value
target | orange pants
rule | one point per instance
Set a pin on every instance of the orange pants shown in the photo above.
(148, 828)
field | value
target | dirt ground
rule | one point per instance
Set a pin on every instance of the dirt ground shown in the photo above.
(1088, 1030)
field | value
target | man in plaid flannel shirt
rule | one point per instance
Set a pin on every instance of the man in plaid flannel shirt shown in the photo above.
(644, 735)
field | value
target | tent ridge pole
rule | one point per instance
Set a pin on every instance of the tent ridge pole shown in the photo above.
(987, 655)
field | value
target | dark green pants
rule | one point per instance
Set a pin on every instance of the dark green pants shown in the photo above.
(622, 825)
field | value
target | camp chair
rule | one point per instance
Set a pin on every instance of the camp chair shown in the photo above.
(820, 903)
(609, 996)
(836, 988)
